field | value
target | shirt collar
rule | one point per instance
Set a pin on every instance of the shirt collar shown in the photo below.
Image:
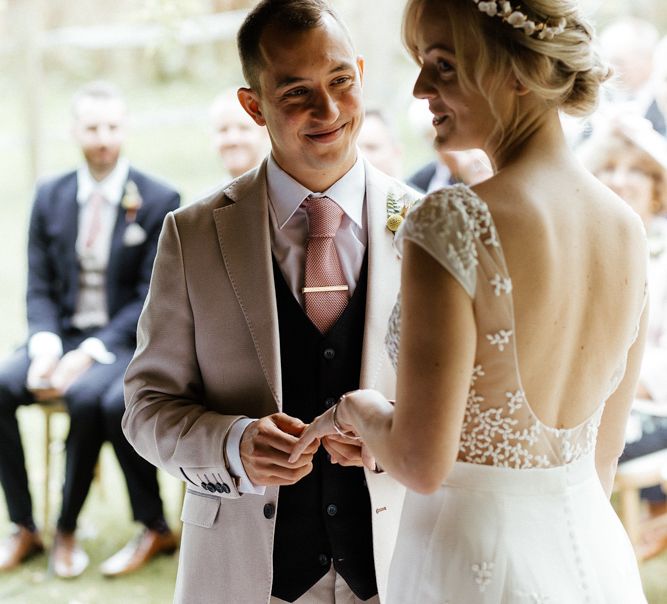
(111, 187)
(286, 194)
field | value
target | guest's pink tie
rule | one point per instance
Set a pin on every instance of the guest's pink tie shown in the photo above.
(96, 201)
(325, 293)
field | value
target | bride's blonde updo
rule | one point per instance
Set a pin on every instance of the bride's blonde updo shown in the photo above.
(564, 72)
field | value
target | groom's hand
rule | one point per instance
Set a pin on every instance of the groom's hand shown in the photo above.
(265, 449)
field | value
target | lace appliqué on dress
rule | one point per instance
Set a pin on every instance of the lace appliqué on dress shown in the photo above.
(455, 227)
(448, 224)
(493, 435)
(483, 573)
(500, 338)
(501, 285)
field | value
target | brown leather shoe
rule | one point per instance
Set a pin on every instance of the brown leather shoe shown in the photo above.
(138, 552)
(18, 547)
(68, 560)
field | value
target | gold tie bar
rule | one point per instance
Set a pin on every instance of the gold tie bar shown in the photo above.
(328, 288)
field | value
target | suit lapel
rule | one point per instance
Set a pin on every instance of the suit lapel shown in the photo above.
(67, 213)
(243, 233)
(383, 279)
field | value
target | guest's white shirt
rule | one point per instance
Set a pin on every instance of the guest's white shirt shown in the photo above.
(440, 179)
(91, 307)
(288, 225)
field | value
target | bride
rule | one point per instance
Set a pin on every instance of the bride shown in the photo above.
(521, 325)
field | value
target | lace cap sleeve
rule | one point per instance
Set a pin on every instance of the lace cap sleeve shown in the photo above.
(447, 224)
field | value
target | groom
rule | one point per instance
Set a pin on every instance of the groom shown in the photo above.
(269, 300)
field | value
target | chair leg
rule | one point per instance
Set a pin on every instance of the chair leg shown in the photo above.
(630, 513)
(47, 467)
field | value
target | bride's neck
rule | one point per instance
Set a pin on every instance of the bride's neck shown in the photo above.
(543, 141)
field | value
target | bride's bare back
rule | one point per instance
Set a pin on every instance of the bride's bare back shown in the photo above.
(554, 265)
(576, 256)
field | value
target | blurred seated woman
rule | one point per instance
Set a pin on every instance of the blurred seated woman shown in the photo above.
(630, 157)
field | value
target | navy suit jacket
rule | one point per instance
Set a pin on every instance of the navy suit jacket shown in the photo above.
(53, 267)
(421, 179)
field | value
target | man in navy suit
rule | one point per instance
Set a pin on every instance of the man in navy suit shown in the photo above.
(92, 241)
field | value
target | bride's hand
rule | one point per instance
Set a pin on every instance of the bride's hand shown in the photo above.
(320, 427)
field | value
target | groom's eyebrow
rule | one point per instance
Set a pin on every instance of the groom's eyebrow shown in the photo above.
(290, 80)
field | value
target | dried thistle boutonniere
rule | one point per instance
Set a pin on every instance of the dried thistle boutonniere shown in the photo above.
(397, 208)
(131, 201)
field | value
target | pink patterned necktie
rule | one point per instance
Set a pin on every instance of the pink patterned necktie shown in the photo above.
(325, 292)
(96, 201)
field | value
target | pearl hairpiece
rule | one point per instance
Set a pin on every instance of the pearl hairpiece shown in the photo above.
(518, 20)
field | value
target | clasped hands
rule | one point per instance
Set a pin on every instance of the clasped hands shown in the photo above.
(267, 447)
(50, 376)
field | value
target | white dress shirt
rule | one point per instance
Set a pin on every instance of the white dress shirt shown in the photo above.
(440, 179)
(91, 307)
(288, 225)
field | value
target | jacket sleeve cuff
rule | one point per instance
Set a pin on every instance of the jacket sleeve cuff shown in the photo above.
(97, 351)
(45, 343)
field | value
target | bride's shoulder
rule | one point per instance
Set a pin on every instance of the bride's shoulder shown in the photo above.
(456, 206)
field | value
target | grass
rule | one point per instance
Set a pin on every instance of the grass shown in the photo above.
(105, 526)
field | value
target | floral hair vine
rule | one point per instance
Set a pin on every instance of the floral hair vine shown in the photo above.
(519, 20)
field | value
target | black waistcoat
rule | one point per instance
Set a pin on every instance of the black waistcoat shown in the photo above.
(326, 516)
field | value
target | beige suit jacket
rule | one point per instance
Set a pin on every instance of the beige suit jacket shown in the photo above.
(208, 353)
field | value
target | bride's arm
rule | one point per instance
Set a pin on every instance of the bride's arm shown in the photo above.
(417, 440)
(611, 434)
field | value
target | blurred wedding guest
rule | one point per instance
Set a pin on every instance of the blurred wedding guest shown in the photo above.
(631, 158)
(380, 145)
(657, 111)
(92, 240)
(629, 43)
(240, 142)
(470, 166)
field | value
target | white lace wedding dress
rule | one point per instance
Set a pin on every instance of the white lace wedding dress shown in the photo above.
(522, 518)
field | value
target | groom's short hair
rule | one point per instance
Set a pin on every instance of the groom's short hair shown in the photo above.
(291, 16)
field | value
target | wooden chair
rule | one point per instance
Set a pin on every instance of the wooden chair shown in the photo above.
(631, 476)
(49, 408)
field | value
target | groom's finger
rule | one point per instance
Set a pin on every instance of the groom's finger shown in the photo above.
(264, 446)
(342, 452)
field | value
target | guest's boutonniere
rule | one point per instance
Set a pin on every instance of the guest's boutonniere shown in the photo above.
(131, 202)
(397, 208)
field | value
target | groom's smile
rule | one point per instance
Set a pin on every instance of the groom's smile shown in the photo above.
(310, 100)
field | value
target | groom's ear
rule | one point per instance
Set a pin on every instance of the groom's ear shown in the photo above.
(249, 100)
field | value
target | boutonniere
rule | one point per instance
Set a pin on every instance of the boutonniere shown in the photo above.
(397, 208)
(131, 201)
